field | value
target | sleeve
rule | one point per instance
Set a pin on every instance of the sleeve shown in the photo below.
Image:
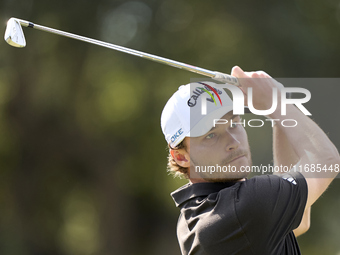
(269, 207)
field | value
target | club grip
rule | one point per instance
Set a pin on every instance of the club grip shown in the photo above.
(226, 78)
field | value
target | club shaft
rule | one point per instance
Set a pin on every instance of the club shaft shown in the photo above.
(215, 75)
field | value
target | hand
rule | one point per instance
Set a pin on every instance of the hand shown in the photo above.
(262, 85)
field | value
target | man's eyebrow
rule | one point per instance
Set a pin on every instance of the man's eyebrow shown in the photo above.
(232, 117)
(211, 129)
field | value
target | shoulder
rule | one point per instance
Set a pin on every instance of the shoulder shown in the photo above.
(274, 183)
(269, 193)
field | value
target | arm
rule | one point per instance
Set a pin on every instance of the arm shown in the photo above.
(305, 223)
(285, 155)
(309, 142)
(312, 146)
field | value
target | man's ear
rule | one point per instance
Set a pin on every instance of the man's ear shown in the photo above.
(181, 157)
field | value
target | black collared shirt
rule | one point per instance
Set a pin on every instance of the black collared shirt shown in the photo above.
(256, 216)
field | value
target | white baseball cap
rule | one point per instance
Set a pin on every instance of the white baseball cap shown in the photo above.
(184, 116)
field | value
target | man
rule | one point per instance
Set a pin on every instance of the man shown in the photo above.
(223, 212)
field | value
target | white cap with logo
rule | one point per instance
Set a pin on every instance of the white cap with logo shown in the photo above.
(186, 115)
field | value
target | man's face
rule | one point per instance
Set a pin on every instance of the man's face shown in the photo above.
(225, 146)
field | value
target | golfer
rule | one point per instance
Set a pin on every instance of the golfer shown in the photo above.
(221, 211)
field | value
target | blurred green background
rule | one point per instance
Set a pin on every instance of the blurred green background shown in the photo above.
(82, 155)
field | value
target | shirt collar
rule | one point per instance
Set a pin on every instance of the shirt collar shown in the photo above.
(190, 191)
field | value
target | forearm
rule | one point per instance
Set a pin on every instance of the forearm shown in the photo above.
(307, 140)
(283, 152)
(312, 146)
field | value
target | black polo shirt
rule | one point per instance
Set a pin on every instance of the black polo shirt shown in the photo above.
(256, 216)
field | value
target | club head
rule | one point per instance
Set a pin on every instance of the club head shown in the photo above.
(14, 35)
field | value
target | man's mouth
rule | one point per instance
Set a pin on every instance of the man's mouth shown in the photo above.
(236, 158)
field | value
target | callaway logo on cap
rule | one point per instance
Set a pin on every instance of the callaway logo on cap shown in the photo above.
(182, 115)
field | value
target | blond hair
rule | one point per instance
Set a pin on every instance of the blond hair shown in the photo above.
(175, 169)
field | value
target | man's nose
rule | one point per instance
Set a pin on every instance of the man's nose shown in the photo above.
(232, 142)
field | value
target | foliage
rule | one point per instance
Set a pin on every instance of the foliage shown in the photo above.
(82, 156)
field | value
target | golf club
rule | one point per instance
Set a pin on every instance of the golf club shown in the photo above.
(14, 36)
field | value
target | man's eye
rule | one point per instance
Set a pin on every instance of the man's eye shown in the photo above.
(212, 135)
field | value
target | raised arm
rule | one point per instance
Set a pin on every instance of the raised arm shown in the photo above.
(284, 154)
(310, 144)
(313, 147)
